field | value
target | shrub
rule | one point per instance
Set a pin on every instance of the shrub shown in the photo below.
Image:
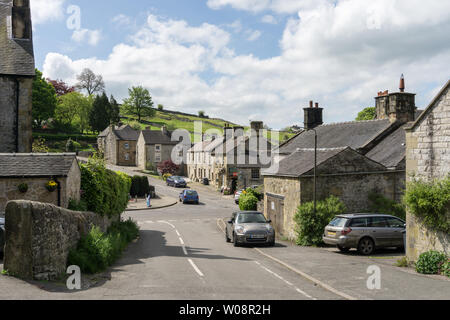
(105, 192)
(23, 187)
(166, 175)
(168, 167)
(429, 262)
(75, 205)
(310, 227)
(39, 146)
(402, 263)
(430, 202)
(248, 202)
(445, 268)
(97, 250)
(139, 186)
(381, 204)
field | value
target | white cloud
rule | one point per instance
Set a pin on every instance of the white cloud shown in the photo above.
(269, 19)
(46, 10)
(278, 6)
(236, 26)
(92, 37)
(253, 35)
(339, 55)
(122, 20)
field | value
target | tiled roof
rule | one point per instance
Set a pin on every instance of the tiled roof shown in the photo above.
(16, 55)
(391, 150)
(36, 164)
(300, 162)
(124, 132)
(353, 134)
(157, 137)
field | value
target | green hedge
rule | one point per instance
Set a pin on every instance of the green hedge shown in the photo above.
(248, 201)
(96, 251)
(103, 191)
(310, 226)
(139, 186)
(430, 202)
(381, 204)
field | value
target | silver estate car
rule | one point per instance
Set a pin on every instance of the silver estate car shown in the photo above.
(365, 232)
(249, 227)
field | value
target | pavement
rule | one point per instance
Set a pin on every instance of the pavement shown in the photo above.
(155, 203)
(182, 254)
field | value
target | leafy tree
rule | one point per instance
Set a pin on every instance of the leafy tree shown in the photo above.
(44, 100)
(99, 115)
(160, 107)
(201, 114)
(168, 167)
(61, 87)
(73, 110)
(367, 114)
(114, 111)
(139, 103)
(89, 81)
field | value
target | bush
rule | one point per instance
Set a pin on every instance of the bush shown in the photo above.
(103, 191)
(310, 227)
(96, 251)
(139, 186)
(429, 262)
(248, 202)
(445, 268)
(166, 175)
(75, 205)
(168, 167)
(430, 202)
(381, 204)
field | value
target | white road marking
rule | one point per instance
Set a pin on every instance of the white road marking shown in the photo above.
(184, 250)
(178, 234)
(196, 268)
(181, 241)
(149, 222)
(166, 222)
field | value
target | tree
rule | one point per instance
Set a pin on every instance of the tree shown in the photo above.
(160, 107)
(168, 167)
(114, 111)
(73, 110)
(367, 114)
(90, 82)
(139, 103)
(99, 116)
(61, 87)
(44, 100)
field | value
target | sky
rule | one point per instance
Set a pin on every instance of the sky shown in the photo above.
(244, 60)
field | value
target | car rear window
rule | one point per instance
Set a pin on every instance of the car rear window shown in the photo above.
(338, 222)
(359, 222)
(191, 193)
(378, 222)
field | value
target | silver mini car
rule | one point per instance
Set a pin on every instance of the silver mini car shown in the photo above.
(366, 232)
(249, 227)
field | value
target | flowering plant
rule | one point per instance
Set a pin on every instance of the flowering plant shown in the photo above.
(51, 185)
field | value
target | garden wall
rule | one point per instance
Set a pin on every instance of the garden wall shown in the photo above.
(39, 237)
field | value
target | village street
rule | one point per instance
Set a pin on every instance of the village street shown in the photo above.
(182, 254)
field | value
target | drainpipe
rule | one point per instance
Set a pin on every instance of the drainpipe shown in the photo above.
(59, 191)
(16, 129)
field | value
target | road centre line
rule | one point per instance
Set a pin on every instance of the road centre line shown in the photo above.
(196, 268)
(181, 241)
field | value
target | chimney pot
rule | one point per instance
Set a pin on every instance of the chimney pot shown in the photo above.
(402, 84)
(311, 103)
(317, 105)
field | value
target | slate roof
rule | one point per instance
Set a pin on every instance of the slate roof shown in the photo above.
(301, 162)
(200, 146)
(353, 134)
(16, 55)
(124, 132)
(36, 164)
(391, 150)
(158, 137)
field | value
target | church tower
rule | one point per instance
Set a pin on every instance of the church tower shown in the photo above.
(16, 76)
(399, 106)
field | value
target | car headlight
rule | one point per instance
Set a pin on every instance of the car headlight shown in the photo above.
(269, 228)
(240, 230)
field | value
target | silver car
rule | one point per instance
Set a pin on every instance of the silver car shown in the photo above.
(249, 227)
(365, 232)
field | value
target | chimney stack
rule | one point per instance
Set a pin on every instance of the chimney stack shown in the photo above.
(227, 132)
(238, 131)
(313, 116)
(256, 127)
(402, 83)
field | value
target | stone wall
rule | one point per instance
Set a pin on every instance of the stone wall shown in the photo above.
(8, 114)
(122, 151)
(428, 157)
(39, 237)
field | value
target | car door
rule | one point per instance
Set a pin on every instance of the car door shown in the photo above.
(396, 229)
(379, 231)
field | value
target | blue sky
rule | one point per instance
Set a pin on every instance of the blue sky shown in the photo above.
(250, 59)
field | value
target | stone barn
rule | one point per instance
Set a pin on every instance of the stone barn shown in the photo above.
(16, 76)
(24, 177)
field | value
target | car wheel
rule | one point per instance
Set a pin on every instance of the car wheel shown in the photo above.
(196, 202)
(366, 246)
(235, 242)
(343, 249)
(271, 244)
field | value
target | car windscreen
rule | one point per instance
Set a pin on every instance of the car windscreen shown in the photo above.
(338, 222)
(251, 218)
(191, 193)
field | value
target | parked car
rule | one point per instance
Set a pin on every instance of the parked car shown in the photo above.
(205, 181)
(237, 195)
(249, 227)
(176, 181)
(189, 196)
(365, 232)
(2, 234)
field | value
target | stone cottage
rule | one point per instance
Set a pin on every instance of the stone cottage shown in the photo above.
(34, 171)
(354, 159)
(118, 144)
(154, 147)
(16, 76)
(428, 157)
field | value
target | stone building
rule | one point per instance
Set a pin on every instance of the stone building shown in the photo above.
(16, 76)
(354, 159)
(35, 170)
(154, 147)
(118, 144)
(233, 161)
(428, 157)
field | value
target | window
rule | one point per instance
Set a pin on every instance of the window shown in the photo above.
(337, 222)
(378, 222)
(255, 173)
(127, 156)
(395, 223)
(127, 146)
(359, 222)
(157, 158)
(158, 147)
